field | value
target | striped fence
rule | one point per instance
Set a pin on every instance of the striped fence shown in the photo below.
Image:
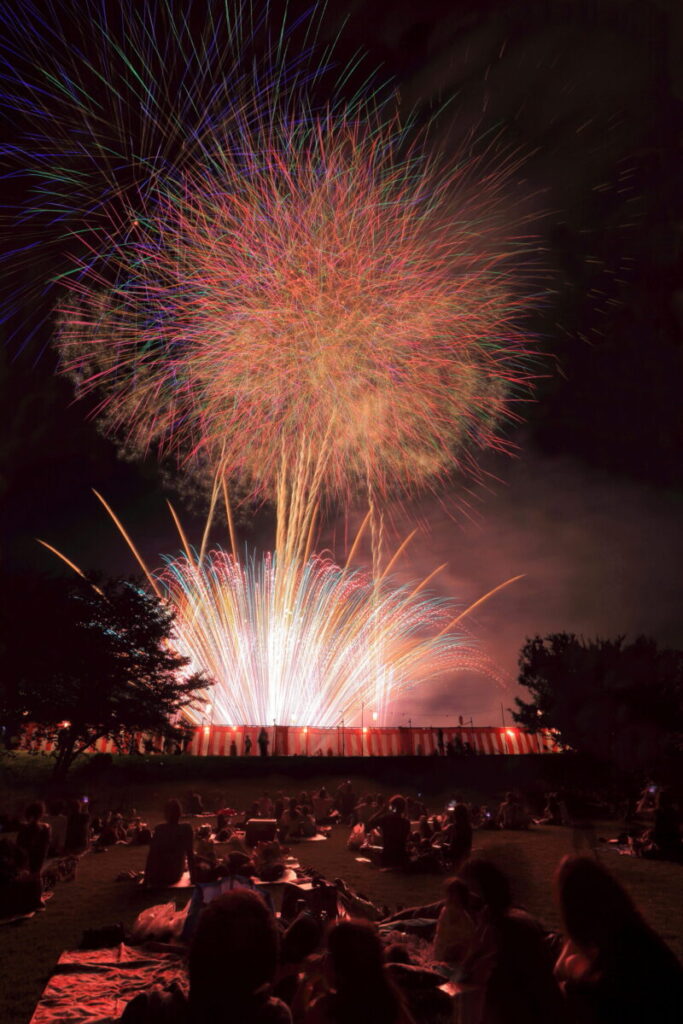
(301, 741)
(298, 741)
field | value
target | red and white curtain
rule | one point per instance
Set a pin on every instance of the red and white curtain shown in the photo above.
(301, 741)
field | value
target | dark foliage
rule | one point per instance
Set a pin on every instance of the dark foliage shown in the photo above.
(94, 654)
(620, 702)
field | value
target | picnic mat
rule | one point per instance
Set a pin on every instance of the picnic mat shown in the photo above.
(93, 986)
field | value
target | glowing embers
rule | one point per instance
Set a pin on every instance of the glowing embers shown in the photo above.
(305, 643)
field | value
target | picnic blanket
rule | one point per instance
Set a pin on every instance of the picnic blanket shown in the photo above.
(93, 986)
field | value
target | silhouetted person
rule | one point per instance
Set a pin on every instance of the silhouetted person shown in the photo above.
(233, 748)
(20, 889)
(302, 938)
(455, 928)
(665, 834)
(172, 847)
(58, 821)
(614, 967)
(33, 837)
(512, 965)
(459, 836)
(232, 961)
(394, 828)
(263, 743)
(247, 745)
(360, 990)
(77, 827)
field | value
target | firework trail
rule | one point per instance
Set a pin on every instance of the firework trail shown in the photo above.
(329, 315)
(308, 648)
(109, 101)
(287, 289)
(280, 293)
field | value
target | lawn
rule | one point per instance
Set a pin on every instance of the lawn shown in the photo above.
(28, 951)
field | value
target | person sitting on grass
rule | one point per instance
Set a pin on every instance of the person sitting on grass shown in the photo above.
(511, 814)
(289, 822)
(20, 889)
(307, 827)
(322, 806)
(301, 940)
(353, 985)
(33, 837)
(231, 965)
(613, 967)
(510, 962)
(77, 827)
(171, 850)
(455, 928)
(458, 845)
(57, 821)
(394, 828)
(552, 812)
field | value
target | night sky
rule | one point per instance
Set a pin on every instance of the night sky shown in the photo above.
(589, 507)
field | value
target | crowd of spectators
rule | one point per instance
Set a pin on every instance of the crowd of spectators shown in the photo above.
(473, 955)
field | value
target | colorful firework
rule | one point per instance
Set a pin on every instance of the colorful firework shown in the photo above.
(305, 645)
(109, 101)
(290, 296)
(328, 315)
(289, 291)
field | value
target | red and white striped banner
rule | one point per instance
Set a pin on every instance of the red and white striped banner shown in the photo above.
(307, 741)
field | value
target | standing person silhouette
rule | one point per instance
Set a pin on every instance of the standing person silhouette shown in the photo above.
(263, 743)
(247, 745)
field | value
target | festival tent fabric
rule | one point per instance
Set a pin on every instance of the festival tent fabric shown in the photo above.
(304, 741)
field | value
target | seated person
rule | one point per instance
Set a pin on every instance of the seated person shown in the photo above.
(112, 831)
(301, 939)
(322, 806)
(171, 849)
(394, 829)
(77, 827)
(269, 864)
(20, 890)
(266, 806)
(139, 833)
(613, 966)
(351, 984)
(206, 859)
(510, 962)
(663, 840)
(511, 813)
(455, 928)
(423, 858)
(365, 809)
(232, 963)
(459, 836)
(306, 827)
(57, 820)
(289, 821)
(195, 804)
(33, 837)
(552, 812)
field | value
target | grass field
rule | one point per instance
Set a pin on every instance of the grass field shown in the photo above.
(28, 951)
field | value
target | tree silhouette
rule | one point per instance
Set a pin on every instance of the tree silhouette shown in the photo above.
(620, 702)
(87, 659)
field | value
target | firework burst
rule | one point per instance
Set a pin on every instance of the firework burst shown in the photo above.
(305, 645)
(326, 313)
(281, 293)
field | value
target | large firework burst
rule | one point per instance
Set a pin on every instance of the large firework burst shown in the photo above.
(277, 291)
(305, 644)
(323, 311)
